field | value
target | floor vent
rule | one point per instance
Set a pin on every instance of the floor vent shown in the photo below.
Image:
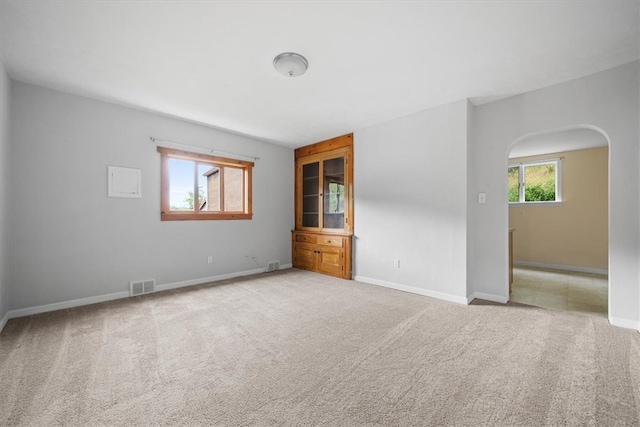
(273, 266)
(142, 287)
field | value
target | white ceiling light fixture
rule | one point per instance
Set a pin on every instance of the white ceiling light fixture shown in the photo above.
(291, 64)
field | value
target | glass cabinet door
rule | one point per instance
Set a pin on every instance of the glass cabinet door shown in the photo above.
(311, 194)
(333, 193)
(322, 193)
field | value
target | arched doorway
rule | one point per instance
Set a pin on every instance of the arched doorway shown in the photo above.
(558, 211)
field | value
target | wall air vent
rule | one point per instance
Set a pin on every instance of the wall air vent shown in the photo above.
(273, 266)
(142, 287)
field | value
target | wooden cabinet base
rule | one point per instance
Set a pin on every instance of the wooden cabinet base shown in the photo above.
(325, 253)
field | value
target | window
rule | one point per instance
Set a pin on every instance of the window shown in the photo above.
(534, 182)
(198, 186)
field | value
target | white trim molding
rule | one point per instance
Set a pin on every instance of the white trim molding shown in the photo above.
(21, 312)
(488, 297)
(589, 270)
(202, 280)
(533, 204)
(4, 321)
(411, 289)
(28, 311)
(624, 323)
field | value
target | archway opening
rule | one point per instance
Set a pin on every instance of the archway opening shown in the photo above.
(558, 210)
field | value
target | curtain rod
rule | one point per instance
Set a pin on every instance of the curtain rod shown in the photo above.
(212, 150)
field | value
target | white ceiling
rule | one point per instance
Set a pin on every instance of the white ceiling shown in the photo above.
(556, 142)
(211, 62)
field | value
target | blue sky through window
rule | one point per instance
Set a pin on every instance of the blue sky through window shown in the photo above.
(181, 182)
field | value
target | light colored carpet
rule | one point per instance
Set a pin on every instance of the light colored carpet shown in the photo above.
(298, 348)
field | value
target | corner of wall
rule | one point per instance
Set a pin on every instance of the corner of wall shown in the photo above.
(5, 96)
(470, 201)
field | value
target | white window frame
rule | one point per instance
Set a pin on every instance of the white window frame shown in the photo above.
(522, 183)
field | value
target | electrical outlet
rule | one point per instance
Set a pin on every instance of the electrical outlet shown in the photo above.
(396, 263)
(209, 259)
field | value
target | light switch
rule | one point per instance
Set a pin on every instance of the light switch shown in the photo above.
(482, 197)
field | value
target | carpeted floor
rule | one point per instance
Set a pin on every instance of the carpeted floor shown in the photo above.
(298, 348)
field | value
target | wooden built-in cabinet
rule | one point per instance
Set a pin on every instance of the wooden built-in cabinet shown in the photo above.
(328, 254)
(324, 207)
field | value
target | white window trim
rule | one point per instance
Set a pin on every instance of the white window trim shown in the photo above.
(533, 204)
(521, 183)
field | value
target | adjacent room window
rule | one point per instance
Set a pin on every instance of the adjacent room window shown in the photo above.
(203, 187)
(534, 182)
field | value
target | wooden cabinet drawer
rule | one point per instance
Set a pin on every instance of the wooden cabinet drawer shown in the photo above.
(305, 238)
(329, 241)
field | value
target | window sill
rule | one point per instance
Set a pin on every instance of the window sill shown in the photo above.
(521, 204)
(188, 216)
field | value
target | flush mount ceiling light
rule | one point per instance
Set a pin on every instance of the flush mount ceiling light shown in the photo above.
(290, 64)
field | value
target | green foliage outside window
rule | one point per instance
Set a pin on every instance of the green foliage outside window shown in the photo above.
(539, 193)
(539, 183)
(336, 197)
(513, 183)
(189, 199)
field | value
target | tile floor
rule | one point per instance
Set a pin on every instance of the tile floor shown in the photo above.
(561, 290)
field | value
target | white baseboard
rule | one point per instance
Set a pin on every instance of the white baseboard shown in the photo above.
(4, 321)
(202, 280)
(217, 278)
(624, 323)
(488, 297)
(433, 294)
(124, 294)
(589, 270)
(65, 304)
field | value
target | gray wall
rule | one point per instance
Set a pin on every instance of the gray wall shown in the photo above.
(5, 96)
(411, 202)
(69, 240)
(417, 180)
(606, 101)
